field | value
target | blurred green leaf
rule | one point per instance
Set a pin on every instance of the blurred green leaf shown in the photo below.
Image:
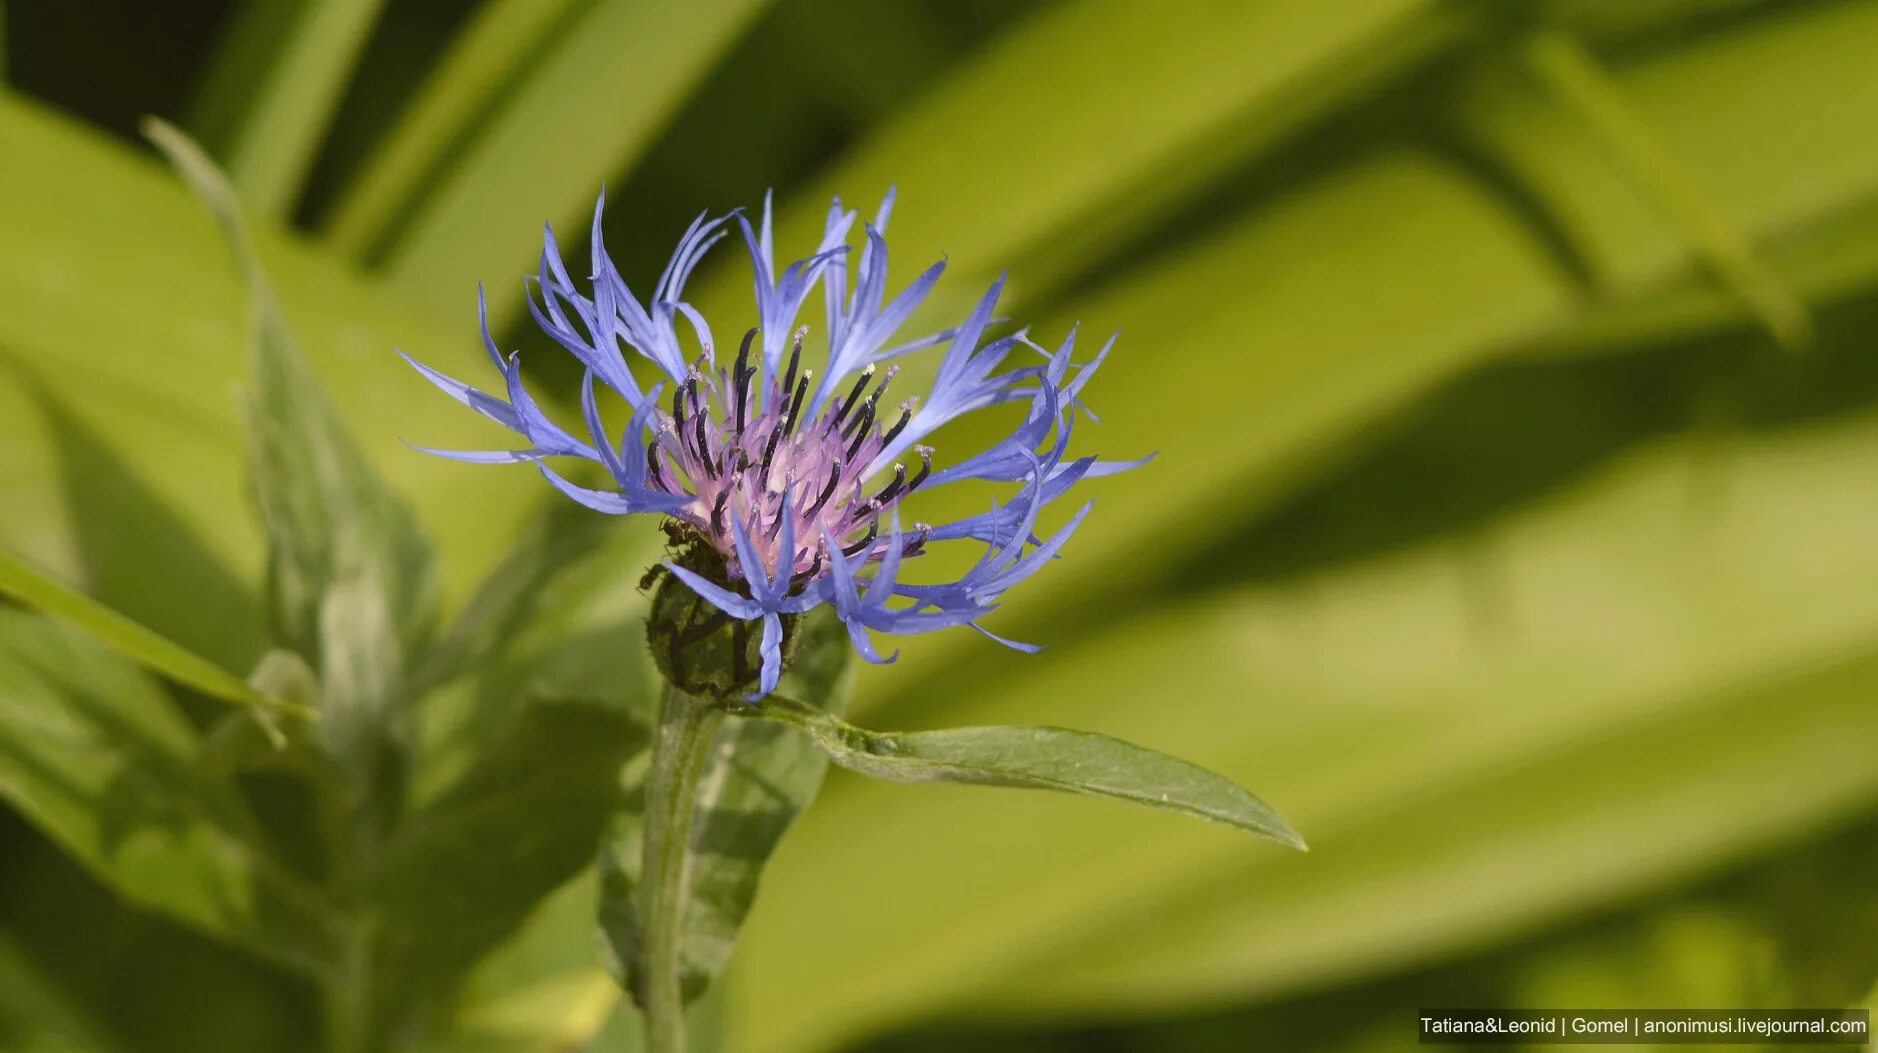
(272, 89)
(146, 383)
(542, 990)
(1252, 354)
(349, 574)
(1040, 759)
(465, 870)
(35, 1014)
(760, 776)
(501, 36)
(1819, 908)
(1087, 123)
(1825, 260)
(586, 111)
(1420, 714)
(95, 755)
(1583, 86)
(130, 639)
(560, 538)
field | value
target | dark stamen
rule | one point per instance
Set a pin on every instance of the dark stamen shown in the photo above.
(769, 453)
(906, 417)
(860, 433)
(678, 405)
(853, 396)
(873, 401)
(743, 353)
(717, 511)
(892, 490)
(789, 374)
(795, 407)
(654, 471)
(873, 531)
(925, 468)
(918, 543)
(704, 448)
(834, 480)
(814, 569)
(775, 527)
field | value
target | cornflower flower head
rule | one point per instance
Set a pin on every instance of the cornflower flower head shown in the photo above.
(784, 480)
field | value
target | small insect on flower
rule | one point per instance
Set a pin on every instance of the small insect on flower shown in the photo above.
(784, 479)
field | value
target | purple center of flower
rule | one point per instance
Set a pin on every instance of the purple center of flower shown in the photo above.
(744, 454)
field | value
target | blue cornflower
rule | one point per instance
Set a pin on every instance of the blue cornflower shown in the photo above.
(795, 479)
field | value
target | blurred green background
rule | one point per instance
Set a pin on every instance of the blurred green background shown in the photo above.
(1513, 368)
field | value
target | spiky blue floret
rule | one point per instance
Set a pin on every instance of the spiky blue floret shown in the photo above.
(776, 478)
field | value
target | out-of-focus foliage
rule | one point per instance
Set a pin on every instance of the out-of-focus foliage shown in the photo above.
(1512, 372)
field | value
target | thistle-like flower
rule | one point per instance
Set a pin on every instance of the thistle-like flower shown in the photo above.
(784, 483)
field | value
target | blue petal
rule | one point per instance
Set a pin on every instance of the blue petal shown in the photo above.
(598, 500)
(772, 657)
(480, 456)
(1015, 645)
(716, 595)
(487, 405)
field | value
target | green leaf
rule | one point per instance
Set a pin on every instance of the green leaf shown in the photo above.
(1037, 758)
(761, 775)
(466, 869)
(460, 88)
(1583, 700)
(1246, 386)
(562, 537)
(94, 754)
(1581, 83)
(1827, 260)
(1191, 108)
(36, 1014)
(585, 112)
(349, 575)
(274, 86)
(133, 641)
(121, 477)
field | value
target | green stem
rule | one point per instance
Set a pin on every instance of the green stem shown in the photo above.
(687, 727)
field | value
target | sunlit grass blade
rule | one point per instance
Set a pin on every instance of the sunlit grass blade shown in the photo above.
(583, 114)
(274, 87)
(1418, 713)
(136, 642)
(462, 86)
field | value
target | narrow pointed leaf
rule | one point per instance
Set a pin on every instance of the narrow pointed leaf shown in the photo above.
(136, 642)
(349, 576)
(1038, 758)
